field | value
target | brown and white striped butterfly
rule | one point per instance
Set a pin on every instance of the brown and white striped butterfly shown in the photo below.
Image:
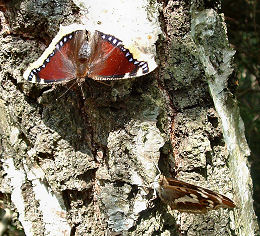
(190, 198)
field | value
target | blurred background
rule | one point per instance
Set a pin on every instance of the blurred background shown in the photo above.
(243, 24)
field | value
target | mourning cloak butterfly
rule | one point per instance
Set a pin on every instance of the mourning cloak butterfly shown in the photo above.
(76, 53)
(186, 197)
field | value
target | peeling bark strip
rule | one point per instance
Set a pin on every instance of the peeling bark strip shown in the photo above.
(82, 167)
(208, 31)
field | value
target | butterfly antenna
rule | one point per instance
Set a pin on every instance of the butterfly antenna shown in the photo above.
(67, 90)
(157, 167)
(83, 95)
(102, 82)
(155, 181)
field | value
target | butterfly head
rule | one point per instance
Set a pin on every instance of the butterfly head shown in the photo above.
(82, 54)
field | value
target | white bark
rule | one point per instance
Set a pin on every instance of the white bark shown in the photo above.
(206, 26)
(84, 167)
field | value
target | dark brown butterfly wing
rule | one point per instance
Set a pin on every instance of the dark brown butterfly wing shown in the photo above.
(190, 198)
(111, 60)
(80, 54)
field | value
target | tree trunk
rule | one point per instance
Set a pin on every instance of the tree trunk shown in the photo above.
(83, 166)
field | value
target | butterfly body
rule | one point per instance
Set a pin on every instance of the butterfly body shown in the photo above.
(186, 197)
(76, 53)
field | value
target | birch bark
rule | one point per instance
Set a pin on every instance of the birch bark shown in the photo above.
(75, 166)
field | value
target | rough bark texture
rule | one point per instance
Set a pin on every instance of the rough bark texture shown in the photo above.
(77, 166)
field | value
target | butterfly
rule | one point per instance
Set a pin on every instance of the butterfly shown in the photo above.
(190, 198)
(76, 53)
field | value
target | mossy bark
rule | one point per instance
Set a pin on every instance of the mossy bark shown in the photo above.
(83, 166)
